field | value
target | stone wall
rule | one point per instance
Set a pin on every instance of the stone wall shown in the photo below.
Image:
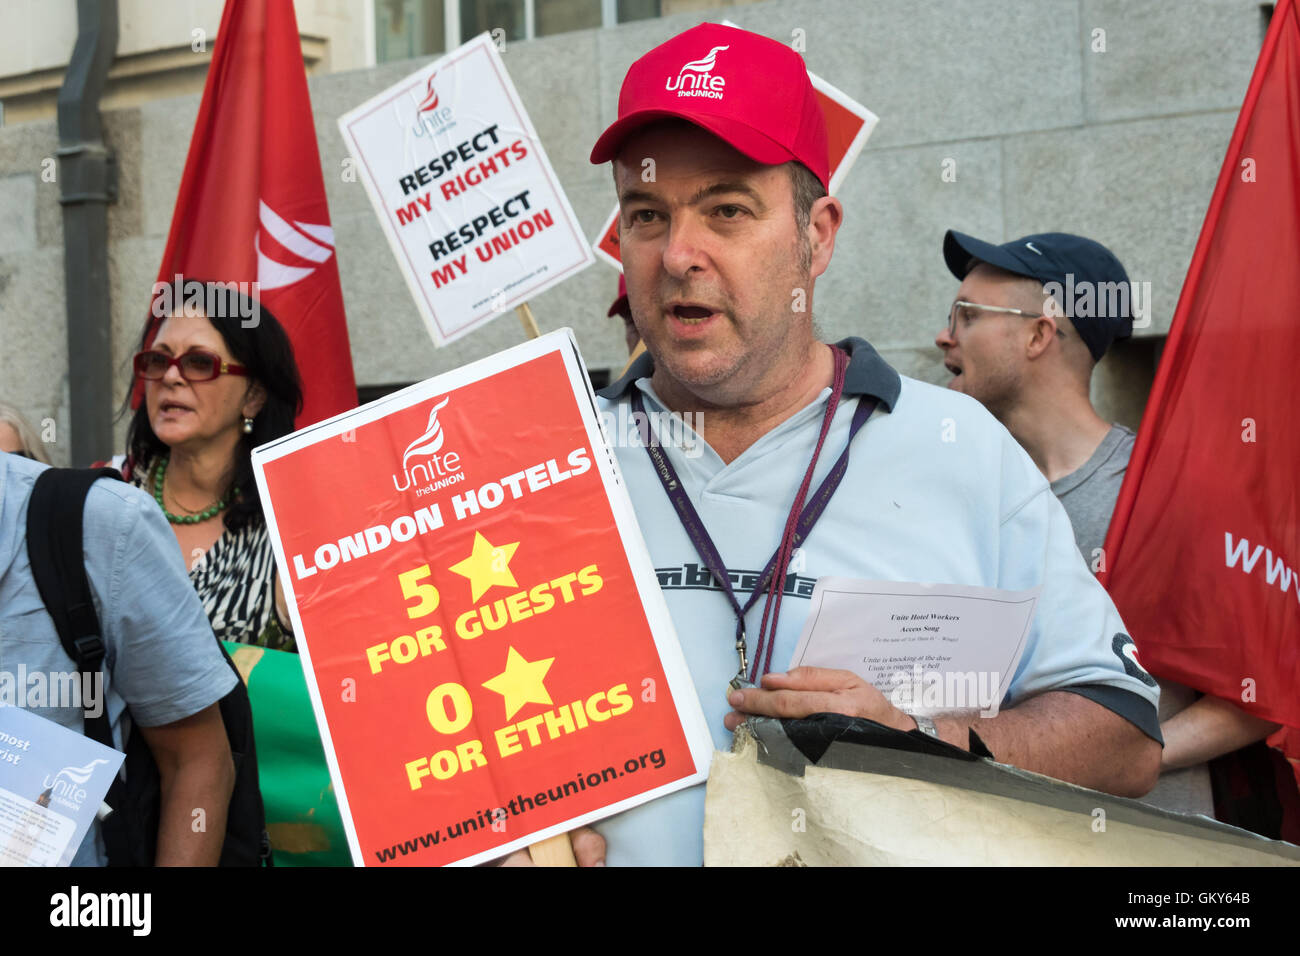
(1044, 130)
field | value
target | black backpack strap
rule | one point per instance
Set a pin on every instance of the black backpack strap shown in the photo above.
(54, 547)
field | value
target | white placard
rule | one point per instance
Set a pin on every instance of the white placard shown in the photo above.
(464, 191)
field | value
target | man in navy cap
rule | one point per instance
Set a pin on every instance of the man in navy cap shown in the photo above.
(1030, 322)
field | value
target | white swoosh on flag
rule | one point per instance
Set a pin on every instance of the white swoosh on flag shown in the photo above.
(310, 241)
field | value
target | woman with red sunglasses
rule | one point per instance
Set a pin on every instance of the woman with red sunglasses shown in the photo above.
(215, 385)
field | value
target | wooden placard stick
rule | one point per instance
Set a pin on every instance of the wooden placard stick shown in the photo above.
(553, 851)
(526, 319)
(556, 850)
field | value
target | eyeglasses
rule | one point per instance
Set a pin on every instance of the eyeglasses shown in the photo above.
(972, 307)
(196, 366)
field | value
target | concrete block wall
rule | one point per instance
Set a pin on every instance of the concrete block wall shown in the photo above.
(1047, 123)
(33, 345)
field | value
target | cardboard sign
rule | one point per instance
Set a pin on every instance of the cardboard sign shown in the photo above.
(467, 198)
(488, 652)
(932, 805)
(848, 124)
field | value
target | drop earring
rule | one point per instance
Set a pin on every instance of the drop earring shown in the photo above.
(248, 426)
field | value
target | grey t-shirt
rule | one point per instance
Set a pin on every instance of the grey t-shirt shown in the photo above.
(1088, 495)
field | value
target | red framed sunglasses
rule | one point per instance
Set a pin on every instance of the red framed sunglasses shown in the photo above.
(196, 366)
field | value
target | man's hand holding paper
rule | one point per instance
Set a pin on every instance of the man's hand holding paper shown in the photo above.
(815, 690)
(885, 650)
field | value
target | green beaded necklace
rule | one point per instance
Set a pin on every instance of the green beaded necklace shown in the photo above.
(159, 472)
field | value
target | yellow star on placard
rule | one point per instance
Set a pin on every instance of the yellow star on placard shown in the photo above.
(521, 682)
(487, 566)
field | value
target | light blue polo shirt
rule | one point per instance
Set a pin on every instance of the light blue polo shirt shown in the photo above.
(936, 491)
(160, 654)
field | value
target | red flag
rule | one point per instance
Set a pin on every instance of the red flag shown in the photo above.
(252, 204)
(1204, 545)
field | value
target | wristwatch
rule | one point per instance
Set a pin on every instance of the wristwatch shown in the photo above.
(926, 726)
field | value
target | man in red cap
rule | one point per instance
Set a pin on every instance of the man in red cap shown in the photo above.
(720, 164)
(623, 310)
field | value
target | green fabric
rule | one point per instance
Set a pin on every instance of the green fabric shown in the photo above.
(302, 814)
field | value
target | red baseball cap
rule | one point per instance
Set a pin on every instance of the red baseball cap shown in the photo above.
(620, 306)
(749, 91)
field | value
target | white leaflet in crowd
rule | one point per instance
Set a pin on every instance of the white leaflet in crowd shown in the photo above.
(52, 784)
(929, 648)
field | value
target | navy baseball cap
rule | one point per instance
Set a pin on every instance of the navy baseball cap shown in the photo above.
(1092, 286)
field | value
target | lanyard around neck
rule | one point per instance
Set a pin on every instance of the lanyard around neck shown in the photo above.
(798, 524)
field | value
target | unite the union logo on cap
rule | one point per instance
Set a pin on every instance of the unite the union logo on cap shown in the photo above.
(696, 77)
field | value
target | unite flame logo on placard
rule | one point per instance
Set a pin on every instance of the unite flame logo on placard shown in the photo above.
(435, 470)
(696, 77)
(431, 96)
(66, 786)
(431, 117)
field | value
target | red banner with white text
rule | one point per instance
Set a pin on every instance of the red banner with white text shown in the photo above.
(1204, 546)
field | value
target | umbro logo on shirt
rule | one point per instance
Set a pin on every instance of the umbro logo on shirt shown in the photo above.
(696, 577)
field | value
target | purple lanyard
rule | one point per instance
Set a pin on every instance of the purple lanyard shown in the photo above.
(796, 531)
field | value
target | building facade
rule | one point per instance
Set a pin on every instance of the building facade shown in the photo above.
(1108, 118)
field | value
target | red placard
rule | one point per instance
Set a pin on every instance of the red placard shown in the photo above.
(607, 245)
(848, 124)
(490, 656)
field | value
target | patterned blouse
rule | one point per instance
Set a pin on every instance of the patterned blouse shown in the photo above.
(235, 580)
